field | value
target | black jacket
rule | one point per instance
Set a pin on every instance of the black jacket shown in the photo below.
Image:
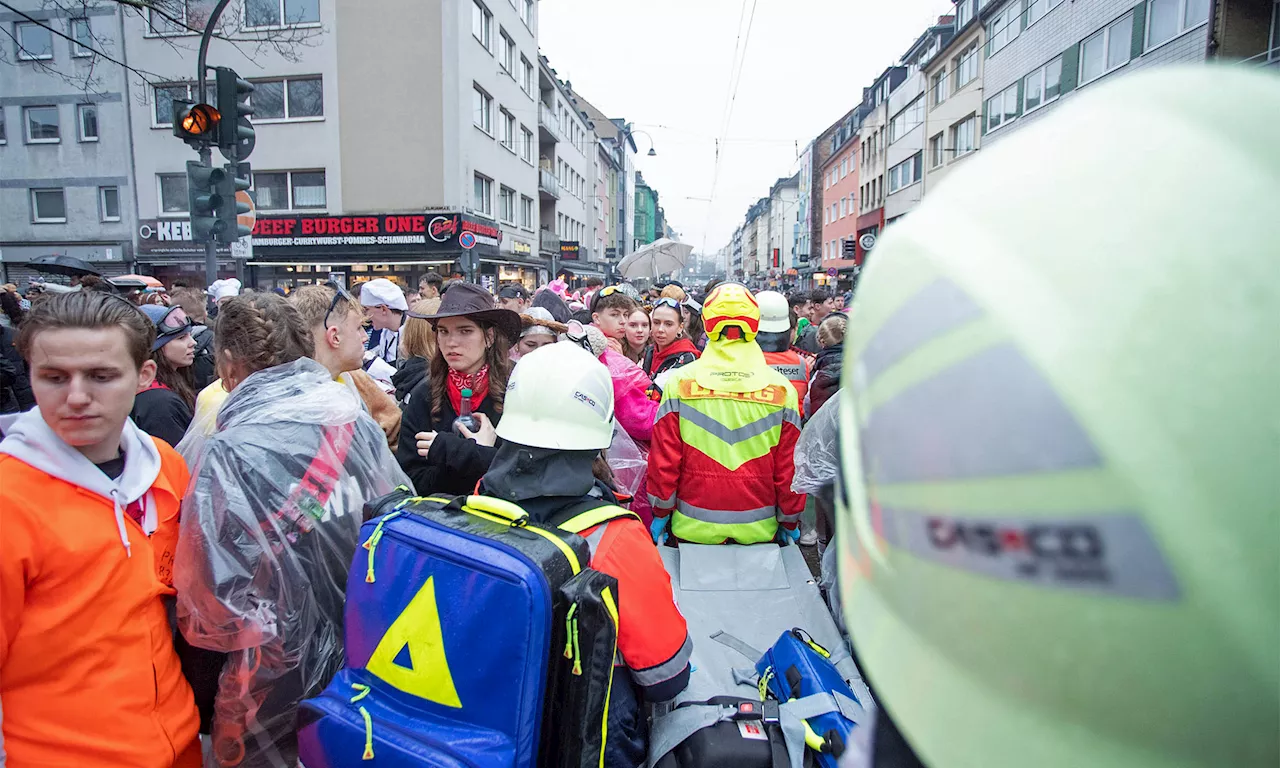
(205, 364)
(454, 464)
(412, 370)
(808, 340)
(826, 377)
(161, 413)
(15, 385)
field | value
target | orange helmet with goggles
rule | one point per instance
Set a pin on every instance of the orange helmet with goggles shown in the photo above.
(731, 305)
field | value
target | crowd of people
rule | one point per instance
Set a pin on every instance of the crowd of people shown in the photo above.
(233, 437)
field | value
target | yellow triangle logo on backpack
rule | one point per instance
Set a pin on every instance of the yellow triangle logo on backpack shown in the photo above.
(410, 656)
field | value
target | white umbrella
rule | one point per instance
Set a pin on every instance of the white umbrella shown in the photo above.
(656, 258)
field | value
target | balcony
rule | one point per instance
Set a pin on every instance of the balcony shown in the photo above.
(549, 242)
(548, 123)
(548, 186)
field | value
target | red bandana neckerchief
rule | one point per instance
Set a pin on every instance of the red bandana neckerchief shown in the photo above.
(477, 382)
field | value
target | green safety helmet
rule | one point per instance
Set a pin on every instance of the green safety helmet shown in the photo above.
(1060, 440)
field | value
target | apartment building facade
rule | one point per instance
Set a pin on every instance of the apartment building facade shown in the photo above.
(840, 179)
(954, 100)
(1039, 53)
(66, 186)
(872, 156)
(783, 207)
(904, 151)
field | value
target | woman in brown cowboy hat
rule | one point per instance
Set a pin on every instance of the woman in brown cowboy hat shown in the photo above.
(473, 342)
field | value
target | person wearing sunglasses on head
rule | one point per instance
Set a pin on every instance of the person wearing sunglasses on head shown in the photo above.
(164, 404)
(671, 347)
(338, 335)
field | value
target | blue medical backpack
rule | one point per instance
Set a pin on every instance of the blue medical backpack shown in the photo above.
(796, 667)
(465, 625)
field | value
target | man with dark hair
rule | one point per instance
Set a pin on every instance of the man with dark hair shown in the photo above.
(822, 303)
(89, 509)
(610, 309)
(802, 308)
(513, 296)
(429, 285)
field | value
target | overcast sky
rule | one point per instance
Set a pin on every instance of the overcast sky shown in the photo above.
(665, 66)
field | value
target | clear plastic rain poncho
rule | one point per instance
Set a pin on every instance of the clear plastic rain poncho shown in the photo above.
(818, 452)
(269, 527)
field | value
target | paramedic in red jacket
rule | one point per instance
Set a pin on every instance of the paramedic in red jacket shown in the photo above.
(723, 451)
(558, 416)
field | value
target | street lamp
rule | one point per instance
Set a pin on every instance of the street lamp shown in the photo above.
(652, 152)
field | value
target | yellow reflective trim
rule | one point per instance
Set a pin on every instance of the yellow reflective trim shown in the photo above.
(580, 523)
(612, 608)
(565, 548)
(694, 531)
(418, 627)
(513, 513)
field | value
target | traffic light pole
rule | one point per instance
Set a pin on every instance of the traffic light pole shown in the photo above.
(206, 152)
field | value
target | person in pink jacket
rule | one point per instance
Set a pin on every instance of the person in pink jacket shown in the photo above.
(632, 408)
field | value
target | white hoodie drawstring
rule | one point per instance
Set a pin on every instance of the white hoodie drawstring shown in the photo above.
(124, 533)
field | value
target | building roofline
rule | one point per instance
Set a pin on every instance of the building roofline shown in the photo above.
(928, 33)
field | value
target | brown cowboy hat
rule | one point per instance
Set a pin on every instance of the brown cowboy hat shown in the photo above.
(470, 300)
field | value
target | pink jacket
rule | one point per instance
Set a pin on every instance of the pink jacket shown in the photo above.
(632, 406)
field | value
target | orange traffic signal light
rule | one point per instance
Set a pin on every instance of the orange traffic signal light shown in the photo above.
(195, 123)
(200, 119)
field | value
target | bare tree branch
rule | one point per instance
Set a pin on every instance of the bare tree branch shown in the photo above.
(52, 70)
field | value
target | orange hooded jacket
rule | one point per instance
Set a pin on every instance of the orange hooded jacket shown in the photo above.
(88, 674)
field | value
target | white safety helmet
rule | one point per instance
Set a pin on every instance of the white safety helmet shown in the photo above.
(559, 396)
(775, 312)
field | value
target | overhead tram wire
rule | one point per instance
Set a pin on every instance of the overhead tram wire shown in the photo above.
(142, 73)
(734, 82)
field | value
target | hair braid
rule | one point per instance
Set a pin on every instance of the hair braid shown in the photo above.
(261, 330)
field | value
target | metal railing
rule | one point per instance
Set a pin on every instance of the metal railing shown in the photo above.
(549, 241)
(547, 183)
(547, 119)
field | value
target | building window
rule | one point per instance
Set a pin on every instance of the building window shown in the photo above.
(35, 43)
(169, 17)
(4, 137)
(42, 125)
(937, 147)
(87, 121)
(1167, 19)
(507, 204)
(173, 193)
(526, 212)
(83, 36)
(290, 190)
(526, 12)
(964, 13)
(1107, 50)
(905, 174)
(1004, 27)
(482, 110)
(939, 87)
(165, 95)
(109, 203)
(962, 136)
(507, 121)
(528, 81)
(1037, 9)
(482, 196)
(299, 98)
(1042, 86)
(1002, 108)
(965, 67)
(48, 206)
(907, 120)
(526, 145)
(482, 24)
(508, 61)
(280, 13)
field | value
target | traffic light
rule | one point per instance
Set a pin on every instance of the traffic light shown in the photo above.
(235, 131)
(235, 180)
(196, 124)
(205, 189)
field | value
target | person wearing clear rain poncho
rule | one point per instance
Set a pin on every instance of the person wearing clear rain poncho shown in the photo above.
(269, 526)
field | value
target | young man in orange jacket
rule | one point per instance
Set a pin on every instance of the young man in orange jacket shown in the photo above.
(89, 510)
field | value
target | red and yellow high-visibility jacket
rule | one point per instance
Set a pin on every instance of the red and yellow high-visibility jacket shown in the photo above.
(721, 461)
